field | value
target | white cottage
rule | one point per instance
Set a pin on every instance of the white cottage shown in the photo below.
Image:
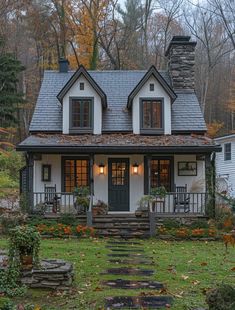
(225, 164)
(120, 133)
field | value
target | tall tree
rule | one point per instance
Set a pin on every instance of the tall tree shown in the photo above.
(10, 98)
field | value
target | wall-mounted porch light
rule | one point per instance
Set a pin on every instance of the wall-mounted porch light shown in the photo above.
(101, 168)
(135, 168)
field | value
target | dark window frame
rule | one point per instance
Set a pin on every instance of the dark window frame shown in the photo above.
(152, 130)
(151, 87)
(146, 171)
(44, 167)
(82, 85)
(228, 153)
(63, 159)
(73, 129)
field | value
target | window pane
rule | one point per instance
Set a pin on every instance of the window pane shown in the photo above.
(81, 113)
(227, 151)
(156, 115)
(152, 114)
(160, 173)
(76, 113)
(146, 114)
(76, 174)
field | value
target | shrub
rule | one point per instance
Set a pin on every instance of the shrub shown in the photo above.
(57, 230)
(171, 223)
(67, 219)
(10, 220)
(85, 231)
(199, 224)
(182, 232)
(221, 298)
(198, 232)
(222, 214)
(6, 304)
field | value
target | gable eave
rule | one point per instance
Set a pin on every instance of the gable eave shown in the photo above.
(82, 71)
(152, 71)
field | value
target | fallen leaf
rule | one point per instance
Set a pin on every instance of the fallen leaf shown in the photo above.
(203, 264)
(233, 269)
(184, 277)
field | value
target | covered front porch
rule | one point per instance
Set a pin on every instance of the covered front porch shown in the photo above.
(119, 170)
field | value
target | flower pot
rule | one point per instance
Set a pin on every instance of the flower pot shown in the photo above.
(26, 261)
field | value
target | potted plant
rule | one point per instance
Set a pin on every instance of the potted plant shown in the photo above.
(146, 202)
(24, 246)
(100, 208)
(82, 200)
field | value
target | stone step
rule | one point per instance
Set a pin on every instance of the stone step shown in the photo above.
(120, 226)
(138, 302)
(119, 220)
(132, 284)
(129, 271)
(124, 234)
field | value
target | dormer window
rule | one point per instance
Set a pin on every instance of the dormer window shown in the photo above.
(81, 115)
(152, 120)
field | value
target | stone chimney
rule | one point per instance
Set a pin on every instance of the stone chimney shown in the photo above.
(63, 65)
(181, 62)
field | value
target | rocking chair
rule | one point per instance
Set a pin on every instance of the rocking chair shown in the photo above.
(52, 201)
(181, 199)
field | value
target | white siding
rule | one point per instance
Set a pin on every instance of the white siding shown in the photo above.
(226, 168)
(87, 92)
(146, 93)
(194, 184)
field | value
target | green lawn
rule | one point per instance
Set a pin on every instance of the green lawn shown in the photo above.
(187, 269)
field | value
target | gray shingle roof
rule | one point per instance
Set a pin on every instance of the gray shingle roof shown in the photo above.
(186, 113)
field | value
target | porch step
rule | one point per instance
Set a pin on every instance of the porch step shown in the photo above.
(118, 225)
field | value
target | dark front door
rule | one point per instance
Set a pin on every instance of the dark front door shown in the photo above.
(118, 184)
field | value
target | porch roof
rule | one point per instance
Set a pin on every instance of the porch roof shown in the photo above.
(118, 143)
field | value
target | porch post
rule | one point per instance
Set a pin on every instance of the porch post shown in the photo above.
(30, 197)
(89, 212)
(152, 217)
(210, 184)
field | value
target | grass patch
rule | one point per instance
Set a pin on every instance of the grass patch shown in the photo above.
(187, 269)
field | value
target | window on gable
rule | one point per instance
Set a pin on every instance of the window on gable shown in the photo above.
(227, 151)
(152, 114)
(82, 86)
(151, 87)
(81, 114)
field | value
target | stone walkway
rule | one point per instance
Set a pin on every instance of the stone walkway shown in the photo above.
(134, 262)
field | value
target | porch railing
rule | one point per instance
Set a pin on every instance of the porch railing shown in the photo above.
(195, 203)
(173, 203)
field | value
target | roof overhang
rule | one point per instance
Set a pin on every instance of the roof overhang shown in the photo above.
(82, 71)
(151, 72)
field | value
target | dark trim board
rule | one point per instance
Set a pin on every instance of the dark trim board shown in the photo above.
(71, 149)
(82, 71)
(152, 71)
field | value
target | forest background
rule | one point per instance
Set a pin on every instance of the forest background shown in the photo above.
(112, 35)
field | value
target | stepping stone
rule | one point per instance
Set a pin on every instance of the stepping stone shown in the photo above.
(124, 242)
(131, 261)
(129, 271)
(139, 302)
(125, 250)
(129, 284)
(130, 255)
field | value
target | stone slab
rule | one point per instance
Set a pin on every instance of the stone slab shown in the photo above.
(130, 255)
(131, 261)
(126, 250)
(129, 271)
(138, 302)
(131, 284)
(124, 242)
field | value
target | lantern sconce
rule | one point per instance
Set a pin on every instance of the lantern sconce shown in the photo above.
(135, 168)
(101, 168)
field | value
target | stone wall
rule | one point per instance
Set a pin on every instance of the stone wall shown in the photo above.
(52, 274)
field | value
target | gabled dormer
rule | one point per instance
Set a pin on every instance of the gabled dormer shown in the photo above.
(150, 102)
(82, 102)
